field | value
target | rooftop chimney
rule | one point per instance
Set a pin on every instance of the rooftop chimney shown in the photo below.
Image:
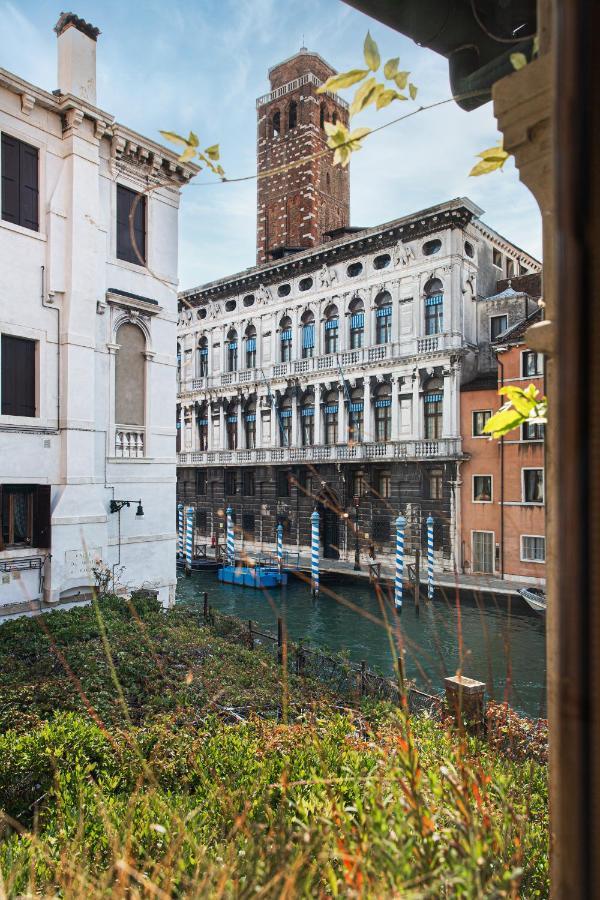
(77, 57)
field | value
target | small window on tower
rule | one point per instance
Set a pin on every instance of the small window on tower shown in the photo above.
(276, 124)
(292, 115)
(322, 116)
(334, 118)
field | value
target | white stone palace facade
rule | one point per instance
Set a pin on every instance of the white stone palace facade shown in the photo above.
(88, 334)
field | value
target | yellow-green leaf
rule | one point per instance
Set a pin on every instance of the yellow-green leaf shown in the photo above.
(193, 139)
(359, 133)
(188, 153)
(503, 422)
(386, 97)
(175, 138)
(497, 152)
(518, 60)
(391, 67)
(412, 90)
(213, 152)
(342, 156)
(371, 51)
(536, 45)
(343, 80)
(401, 79)
(485, 166)
(337, 133)
(364, 96)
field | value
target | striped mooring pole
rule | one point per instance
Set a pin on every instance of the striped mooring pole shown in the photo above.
(230, 540)
(280, 545)
(180, 530)
(429, 557)
(400, 526)
(314, 553)
(189, 536)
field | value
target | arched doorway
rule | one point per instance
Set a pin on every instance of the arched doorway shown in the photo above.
(328, 506)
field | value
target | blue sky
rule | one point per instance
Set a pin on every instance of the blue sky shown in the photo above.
(202, 64)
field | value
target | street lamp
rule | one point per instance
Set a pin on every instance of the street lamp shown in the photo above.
(117, 506)
(356, 535)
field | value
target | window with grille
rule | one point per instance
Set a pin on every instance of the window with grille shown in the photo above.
(308, 426)
(533, 548)
(20, 182)
(131, 226)
(201, 482)
(230, 483)
(480, 419)
(433, 415)
(434, 314)
(381, 529)
(283, 483)
(533, 431)
(331, 336)
(384, 485)
(533, 485)
(202, 520)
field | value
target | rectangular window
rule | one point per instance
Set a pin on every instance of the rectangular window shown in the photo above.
(381, 530)
(533, 485)
(498, 324)
(480, 419)
(532, 363)
(283, 483)
(383, 422)
(434, 314)
(359, 484)
(433, 416)
(25, 516)
(131, 237)
(248, 524)
(483, 552)
(482, 488)
(248, 483)
(533, 548)
(230, 483)
(383, 324)
(201, 482)
(20, 183)
(17, 373)
(384, 485)
(435, 485)
(533, 431)
(308, 430)
(497, 258)
(331, 428)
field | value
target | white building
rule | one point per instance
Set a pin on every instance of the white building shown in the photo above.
(88, 335)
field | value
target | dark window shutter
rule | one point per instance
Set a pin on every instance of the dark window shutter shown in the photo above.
(125, 248)
(18, 376)
(29, 188)
(41, 517)
(10, 179)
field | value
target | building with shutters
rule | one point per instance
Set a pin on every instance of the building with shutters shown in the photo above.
(87, 340)
(503, 531)
(329, 375)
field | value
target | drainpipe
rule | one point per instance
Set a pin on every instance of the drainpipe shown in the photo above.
(501, 365)
(48, 303)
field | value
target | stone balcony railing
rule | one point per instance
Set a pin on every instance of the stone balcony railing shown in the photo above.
(444, 448)
(345, 359)
(129, 441)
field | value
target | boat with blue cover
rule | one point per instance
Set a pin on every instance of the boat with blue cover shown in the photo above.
(252, 576)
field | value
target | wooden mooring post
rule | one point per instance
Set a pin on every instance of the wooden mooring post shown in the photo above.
(279, 641)
(250, 635)
(417, 579)
(401, 678)
(205, 609)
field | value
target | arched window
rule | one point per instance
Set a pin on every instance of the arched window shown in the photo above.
(276, 124)
(434, 306)
(308, 334)
(285, 339)
(322, 116)
(202, 358)
(130, 376)
(202, 423)
(357, 323)
(292, 115)
(383, 412)
(250, 347)
(231, 425)
(356, 416)
(232, 350)
(331, 329)
(250, 424)
(383, 318)
(334, 118)
(330, 412)
(433, 399)
(285, 421)
(307, 416)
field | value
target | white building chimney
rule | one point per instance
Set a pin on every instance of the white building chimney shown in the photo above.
(77, 57)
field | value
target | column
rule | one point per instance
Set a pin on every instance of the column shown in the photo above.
(417, 412)
(241, 434)
(369, 338)
(394, 289)
(259, 359)
(447, 403)
(395, 408)
(296, 334)
(211, 437)
(295, 423)
(319, 325)
(259, 434)
(342, 415)
(275, 429)
(222, 429)
(367, 410)
(318, 417)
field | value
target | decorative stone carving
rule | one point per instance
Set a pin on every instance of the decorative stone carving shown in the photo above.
(326, 276)
(403, 254)
(263, 295)
(27, 103)
(72, 119)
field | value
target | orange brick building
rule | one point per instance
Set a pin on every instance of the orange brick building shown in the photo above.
(502, 482)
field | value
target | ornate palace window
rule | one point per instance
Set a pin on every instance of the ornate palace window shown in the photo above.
(330, 412)
(383, 318)
(383, 413)
(434, 307)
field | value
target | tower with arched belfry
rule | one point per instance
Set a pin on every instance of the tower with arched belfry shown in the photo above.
(298, 206)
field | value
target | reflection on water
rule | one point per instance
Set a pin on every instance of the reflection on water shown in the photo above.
(499, 640)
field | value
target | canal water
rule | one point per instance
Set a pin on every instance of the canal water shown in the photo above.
(493, 638)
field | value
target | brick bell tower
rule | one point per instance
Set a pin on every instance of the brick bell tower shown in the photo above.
(296, 208)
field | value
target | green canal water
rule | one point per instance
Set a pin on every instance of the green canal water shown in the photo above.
(494, 639)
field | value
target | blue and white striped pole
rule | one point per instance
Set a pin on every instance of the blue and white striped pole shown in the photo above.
(400, 526)
(230, 540)
(180, 530)
(429, 558)
(314, 553)
(189, 536)
(279, 545)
